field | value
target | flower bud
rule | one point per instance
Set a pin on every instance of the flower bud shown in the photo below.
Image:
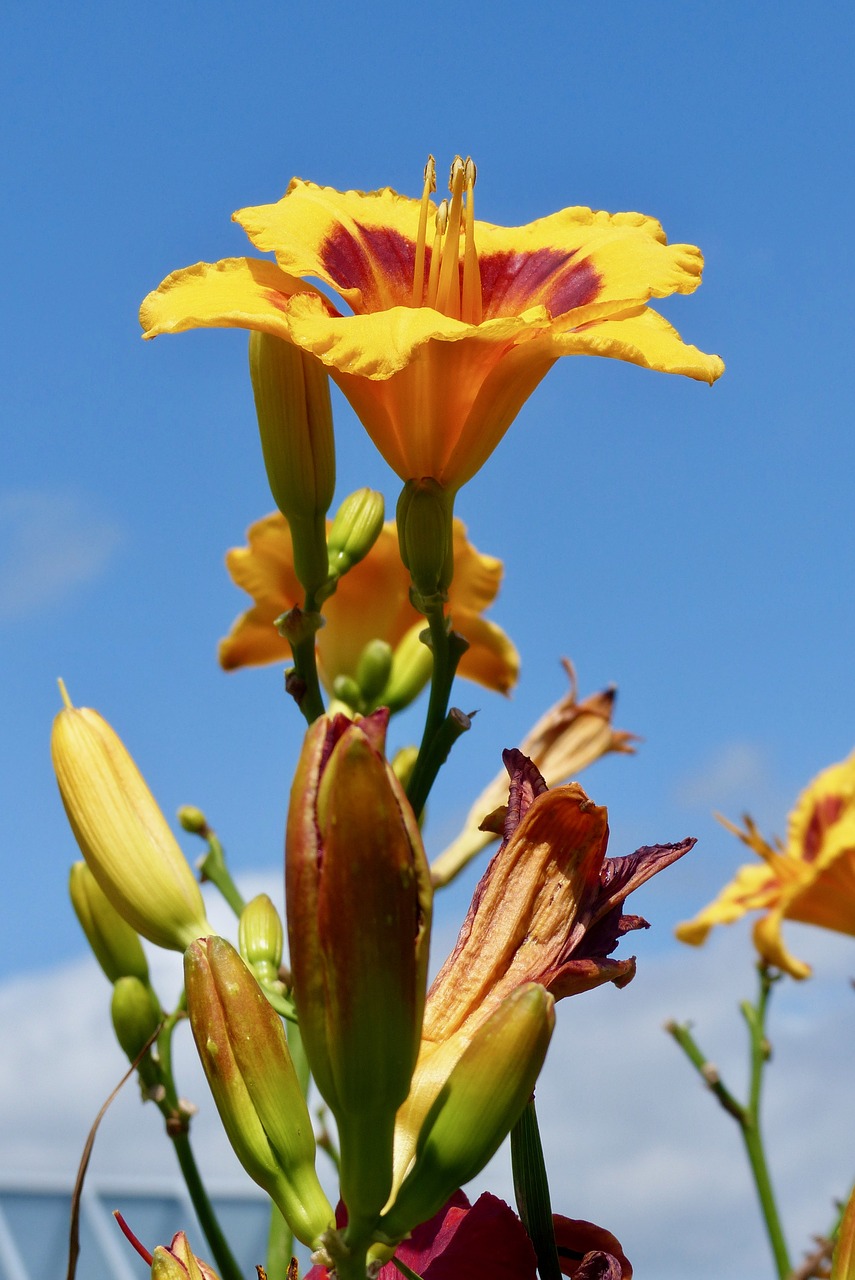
(178, 1262)
(412, 664)
(260, 938)
(193, 820)
(424, 518)
(356, 527)
(292, 401)
(358, 899)
(122, 834)
(372, 670)
(116, 945)
(245, 1056)
(477, 1107)
(136, 1014)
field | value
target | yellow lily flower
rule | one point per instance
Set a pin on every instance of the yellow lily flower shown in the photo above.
(810, 879)
(265, 569)
(454, 321)
(566, 739)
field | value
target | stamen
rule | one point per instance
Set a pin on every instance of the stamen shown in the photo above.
(448, 292)
(471, 310)
(441, 222)
(140, 1248)
(419, 270)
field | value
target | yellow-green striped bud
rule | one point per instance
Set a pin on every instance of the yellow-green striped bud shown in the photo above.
(412, 664)
(245, 1057)
(356, 527)
(477, 1107)
(122, 834)
(261, 938)
(136, 1014)
(358, 903)
(116, 945)
(424, 518)
(292, 401)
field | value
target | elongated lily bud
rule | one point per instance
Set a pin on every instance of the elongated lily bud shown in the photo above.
(358, 899)
(481, 1101)
(245, 1057)
(122, 834)
(424, 518)
(261, 937)
(116, 945)
(357, 525)
(412, 664)
(292, 401)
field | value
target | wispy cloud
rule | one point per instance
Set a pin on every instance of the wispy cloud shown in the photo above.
(50, 545)
(735, 774)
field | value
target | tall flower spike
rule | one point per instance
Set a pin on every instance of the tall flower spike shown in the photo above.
(436, 379)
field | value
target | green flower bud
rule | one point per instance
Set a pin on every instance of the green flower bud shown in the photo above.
(373, 668)
(358, 899)
(424, 519)
(292, 401)
(193, 820)
(412, 664)
(245, 1056)
(347, 691)
(116, 945)
(355, 529)
(136, 1014)
(477, 1107)
(404, 763)
(122, 834)
(261, 938)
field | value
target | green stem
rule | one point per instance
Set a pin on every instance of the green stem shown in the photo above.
(213, 868)
(447, 648)
(224, 1259)
(531, 1188)
(747, 1116)
(303, 682)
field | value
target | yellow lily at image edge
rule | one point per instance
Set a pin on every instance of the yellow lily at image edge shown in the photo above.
(810, 879)
(455, 321)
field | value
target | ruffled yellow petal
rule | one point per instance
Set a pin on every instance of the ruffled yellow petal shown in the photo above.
(644, 338)
(361, 243)
(753, 888)
(237, 293)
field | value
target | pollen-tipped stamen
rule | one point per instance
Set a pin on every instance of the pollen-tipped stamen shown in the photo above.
(448, 291)
(419, 269)
(440, 223)
(471, 310)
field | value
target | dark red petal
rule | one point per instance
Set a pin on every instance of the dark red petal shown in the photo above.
(486, 1241)
(577, 1240)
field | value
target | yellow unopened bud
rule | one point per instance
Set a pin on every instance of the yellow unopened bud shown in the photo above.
(292, 401)
(122, 833)
(477, 1107)
(116, 945)
(245, 1056)
(424, 517)
(356, 527)
(261, 938)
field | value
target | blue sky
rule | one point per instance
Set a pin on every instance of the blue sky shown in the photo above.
(693, 546)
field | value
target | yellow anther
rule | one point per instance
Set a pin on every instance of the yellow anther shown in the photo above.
(471, 310)
(448, 290)
(419, 269)
(440, 224)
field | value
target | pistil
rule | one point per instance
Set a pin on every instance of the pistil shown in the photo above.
(419, 270)
(448, 290)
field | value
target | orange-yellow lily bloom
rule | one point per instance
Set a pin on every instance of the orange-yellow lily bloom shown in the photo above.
(811, 878)
(371, 602)
(454, 322)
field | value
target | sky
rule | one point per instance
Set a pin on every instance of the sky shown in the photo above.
(691, 545)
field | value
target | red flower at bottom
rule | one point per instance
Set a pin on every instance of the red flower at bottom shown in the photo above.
(487, 1239)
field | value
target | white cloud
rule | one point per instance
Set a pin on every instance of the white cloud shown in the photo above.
(50, 544)
(733, 774)
(632, 1138)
